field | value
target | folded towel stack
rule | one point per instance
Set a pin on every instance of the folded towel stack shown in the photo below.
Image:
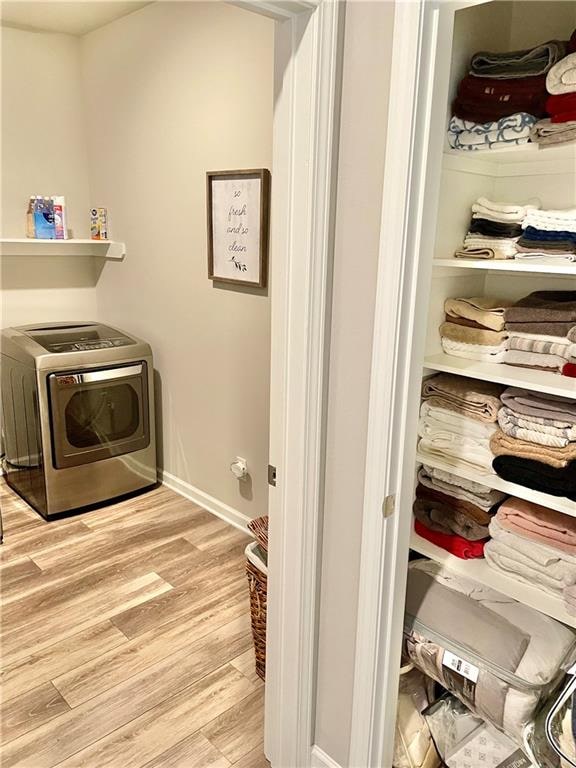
(494, 230)
(538, 327)
(470, 135)
(476, 500)
(474, 328)
(548, 235)
(499, 101)
(454, 513)
(560, 127)
(536, 443)
(457, 420)
(535, 545)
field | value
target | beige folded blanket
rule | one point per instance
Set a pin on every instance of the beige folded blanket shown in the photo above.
(467, 335)
(471, 397)
(486, 311)
(545, 132)
(561, 78)
(503, 445)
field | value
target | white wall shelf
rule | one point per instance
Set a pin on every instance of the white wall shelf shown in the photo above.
(524, 160)
(559, 503)
(480, 571)
(28, 246)
(509, 266)
(542, 381)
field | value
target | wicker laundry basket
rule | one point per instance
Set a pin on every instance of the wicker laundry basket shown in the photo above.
(257, 572)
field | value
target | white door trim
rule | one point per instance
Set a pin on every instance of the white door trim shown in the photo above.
(416, 135)
(308, 53)
(379, 478)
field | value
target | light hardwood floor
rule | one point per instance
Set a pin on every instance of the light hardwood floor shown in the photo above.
(125, 639)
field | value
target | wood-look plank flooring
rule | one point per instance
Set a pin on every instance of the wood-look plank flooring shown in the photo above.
(125, 639)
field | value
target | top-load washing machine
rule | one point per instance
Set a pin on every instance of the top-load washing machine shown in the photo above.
(77, 414)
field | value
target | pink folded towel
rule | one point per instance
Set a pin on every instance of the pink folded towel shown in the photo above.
(539, 524)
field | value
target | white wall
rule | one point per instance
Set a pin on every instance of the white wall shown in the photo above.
(368, 35)
(172, 91)
(541, 20)
(43, 152)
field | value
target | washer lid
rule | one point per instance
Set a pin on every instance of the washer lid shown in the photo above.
(78, 337)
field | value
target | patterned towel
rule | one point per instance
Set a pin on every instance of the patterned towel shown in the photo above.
(540, 405)
(470, 136)
(556, 434)
(561, 347)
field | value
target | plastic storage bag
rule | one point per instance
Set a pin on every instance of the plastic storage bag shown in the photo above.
(464, 740)
(555, 725)
(499, 657)
(413, 747)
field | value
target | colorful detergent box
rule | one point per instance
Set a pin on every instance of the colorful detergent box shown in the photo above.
(486, 747)
(99, 223)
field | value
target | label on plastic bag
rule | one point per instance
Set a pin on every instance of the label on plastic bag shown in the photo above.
(461, 666)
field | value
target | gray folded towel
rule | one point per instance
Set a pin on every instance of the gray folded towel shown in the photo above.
(524, 63)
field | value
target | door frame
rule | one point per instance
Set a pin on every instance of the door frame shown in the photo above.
(416, 134)
(308, 57)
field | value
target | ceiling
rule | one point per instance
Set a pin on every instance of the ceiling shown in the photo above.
(74, 18)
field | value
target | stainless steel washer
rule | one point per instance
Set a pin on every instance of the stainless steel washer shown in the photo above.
(77, 414)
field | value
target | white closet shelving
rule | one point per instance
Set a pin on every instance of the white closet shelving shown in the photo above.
(28, 246)
(515, 174)
(524, 160)
(511, 376)
(509, 266)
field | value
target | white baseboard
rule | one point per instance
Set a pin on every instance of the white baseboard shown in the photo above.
(321, 760)
(218, 508)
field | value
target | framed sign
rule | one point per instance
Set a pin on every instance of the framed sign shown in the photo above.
(238, 205)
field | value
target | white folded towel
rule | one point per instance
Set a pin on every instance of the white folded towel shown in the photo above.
(563, 220)
(479, 352)
(457, 439)
(529, 561)
(539, 257)
(506, 212)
